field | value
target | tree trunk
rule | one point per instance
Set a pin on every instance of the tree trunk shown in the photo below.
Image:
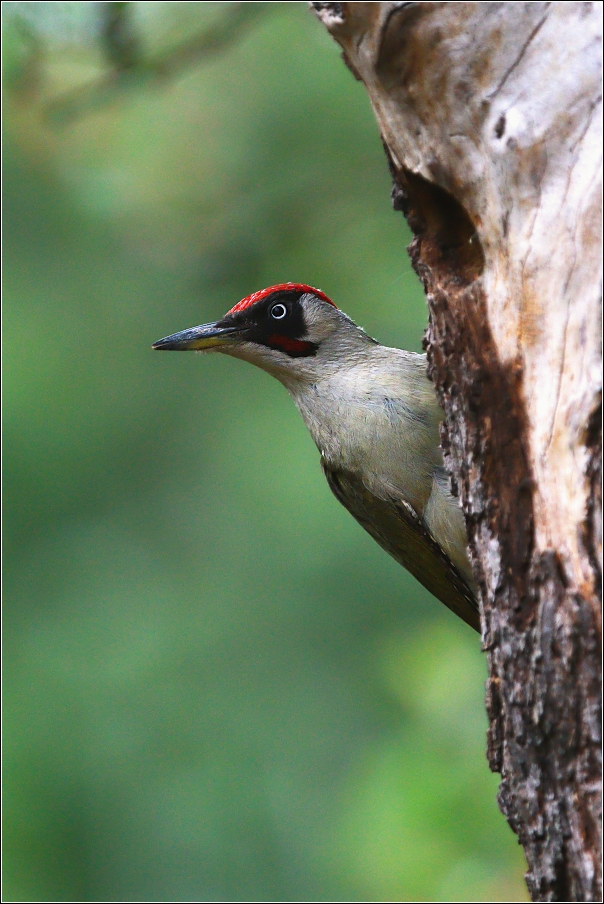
(490, 114)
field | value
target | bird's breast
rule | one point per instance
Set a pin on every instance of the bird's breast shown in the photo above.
(375, 434)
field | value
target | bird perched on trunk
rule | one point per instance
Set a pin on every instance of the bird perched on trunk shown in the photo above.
(374, 417)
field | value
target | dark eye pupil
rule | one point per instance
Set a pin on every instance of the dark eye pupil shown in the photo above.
(278, 311)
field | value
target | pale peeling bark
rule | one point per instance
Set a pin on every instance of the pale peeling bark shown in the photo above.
(491, 118)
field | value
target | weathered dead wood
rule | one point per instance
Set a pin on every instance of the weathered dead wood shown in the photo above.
(490, 114)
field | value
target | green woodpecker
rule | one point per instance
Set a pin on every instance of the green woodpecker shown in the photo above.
(374, 417)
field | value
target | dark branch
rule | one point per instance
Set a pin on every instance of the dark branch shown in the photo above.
(132, 71)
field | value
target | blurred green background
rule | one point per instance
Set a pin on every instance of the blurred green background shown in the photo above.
(217, 686)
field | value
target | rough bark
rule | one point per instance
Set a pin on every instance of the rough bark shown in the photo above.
(490, 114)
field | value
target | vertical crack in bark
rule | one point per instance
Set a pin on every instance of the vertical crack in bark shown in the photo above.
(591, 533)
(520, 56)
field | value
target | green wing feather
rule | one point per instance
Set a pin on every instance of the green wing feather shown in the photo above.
(401, 532)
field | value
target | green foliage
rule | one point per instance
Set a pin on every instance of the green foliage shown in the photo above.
(217, 687)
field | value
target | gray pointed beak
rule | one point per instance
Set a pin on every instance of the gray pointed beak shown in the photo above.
(198, 338)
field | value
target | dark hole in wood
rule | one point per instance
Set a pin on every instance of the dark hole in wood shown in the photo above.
(449, 241)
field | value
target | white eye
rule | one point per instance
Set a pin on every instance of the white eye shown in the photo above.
(278, 311)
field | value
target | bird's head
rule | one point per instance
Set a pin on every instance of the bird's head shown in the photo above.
(291, 330)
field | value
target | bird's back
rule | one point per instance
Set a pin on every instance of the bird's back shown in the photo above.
(401, 532)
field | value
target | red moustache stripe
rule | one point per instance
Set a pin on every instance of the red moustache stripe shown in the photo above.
(289, 345)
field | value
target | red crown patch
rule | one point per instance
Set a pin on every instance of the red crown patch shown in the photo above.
(258, 296)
